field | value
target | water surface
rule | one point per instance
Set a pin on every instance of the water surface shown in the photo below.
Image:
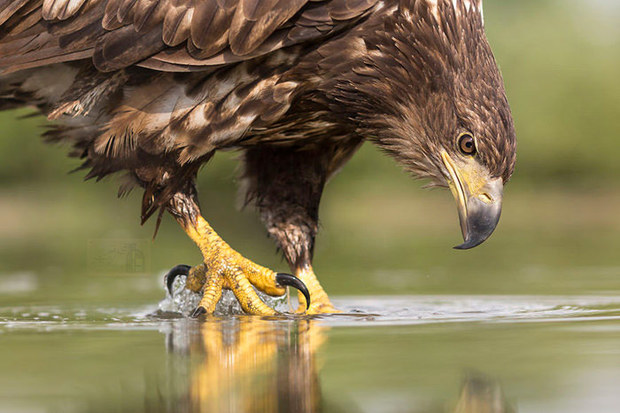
(384, 354)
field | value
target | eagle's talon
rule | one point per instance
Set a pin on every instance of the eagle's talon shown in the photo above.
(289, 280)
(198, 312)
(174, 272)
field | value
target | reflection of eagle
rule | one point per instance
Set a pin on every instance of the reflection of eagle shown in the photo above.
(249, 365)
(155, 87)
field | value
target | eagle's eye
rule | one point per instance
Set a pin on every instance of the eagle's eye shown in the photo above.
(466, 143)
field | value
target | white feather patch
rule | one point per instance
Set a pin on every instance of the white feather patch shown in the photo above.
(434, 4)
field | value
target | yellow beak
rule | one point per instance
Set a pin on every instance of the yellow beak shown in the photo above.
(478, 198)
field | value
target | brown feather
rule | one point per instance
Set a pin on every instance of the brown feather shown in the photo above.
(9, 7)
(297, 85)
(348, 9)
(110, 20)
(123, 47)
(209, 29)
(60, 9)
(120, 33)
(149, 13)
(126, 9)
(254, 22)
(177, 25)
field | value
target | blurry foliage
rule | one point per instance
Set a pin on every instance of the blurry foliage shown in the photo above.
(560, 61)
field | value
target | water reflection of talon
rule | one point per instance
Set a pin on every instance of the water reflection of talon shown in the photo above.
(247, 364)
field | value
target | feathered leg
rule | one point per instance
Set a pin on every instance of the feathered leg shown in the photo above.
(286, 184)
(224, 267)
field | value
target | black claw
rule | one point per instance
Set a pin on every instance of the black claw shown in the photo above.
(198, 312)
(174, 273)
(290, 280)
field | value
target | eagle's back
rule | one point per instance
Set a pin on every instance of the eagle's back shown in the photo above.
(154, 87)
(160, 76)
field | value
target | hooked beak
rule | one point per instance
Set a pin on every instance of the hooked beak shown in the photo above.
(478, 198)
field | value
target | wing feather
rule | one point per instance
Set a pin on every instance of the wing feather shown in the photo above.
(8, 8)
(255, 20)
(167, 35)
(60, 9)
(149, 13)
(125, 10)
(177, 25)
(348, 9)
(125, 46)
(209, 28)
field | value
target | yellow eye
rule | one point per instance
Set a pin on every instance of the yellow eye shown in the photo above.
(466, 144)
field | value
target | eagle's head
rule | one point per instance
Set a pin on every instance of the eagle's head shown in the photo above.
(428, 91)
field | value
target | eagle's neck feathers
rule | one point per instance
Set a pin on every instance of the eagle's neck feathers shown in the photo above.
(411, 81)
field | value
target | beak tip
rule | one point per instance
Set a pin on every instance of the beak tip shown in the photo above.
(469, 244)
(479, 199)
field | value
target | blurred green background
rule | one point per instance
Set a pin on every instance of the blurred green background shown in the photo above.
(64, 240)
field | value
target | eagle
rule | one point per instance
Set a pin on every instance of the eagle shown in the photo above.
(152, 89)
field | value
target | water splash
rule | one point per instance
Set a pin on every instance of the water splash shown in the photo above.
(183, 301)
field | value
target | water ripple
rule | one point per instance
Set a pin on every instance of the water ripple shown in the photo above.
(357, 311)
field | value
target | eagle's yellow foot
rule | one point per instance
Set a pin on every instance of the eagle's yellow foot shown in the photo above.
(319, 301)
(211, 284)
(225, 268)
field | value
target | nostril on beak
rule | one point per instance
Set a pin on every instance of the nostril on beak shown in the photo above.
(486, 198)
